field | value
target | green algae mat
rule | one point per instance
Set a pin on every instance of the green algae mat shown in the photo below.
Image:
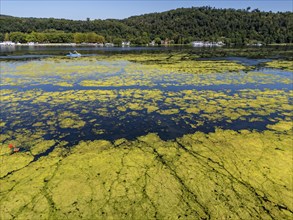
(160, 136)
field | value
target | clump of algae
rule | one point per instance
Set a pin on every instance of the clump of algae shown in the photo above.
(150, 178)
(281, 64)
(42, 146)
(194, 177)
(133, 70)
(65, 84)
(169, 111)
(69, 119)
(281, 126)
(180, 63)
(13, 162)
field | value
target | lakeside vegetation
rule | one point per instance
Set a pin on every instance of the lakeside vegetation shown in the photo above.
(53, 36)
(180, 26)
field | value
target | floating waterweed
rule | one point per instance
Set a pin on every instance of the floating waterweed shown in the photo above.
(167, 175)
(281, 126)
(281, 64)
(199, 175)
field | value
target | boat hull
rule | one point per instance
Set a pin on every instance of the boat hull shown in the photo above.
(73, 55)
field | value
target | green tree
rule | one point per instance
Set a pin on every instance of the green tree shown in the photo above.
(117, 41)
(41, 37)
(179, 25)
(32, 37)
(68, 38)
(158, 40)
(1, 37)
(6, 37)
(17, 37)
(100, 39)
(52, 37)
(79, 38)
(91, 37)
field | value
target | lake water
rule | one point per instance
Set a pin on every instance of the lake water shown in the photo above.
(146, 133)
(28, 52)
(34, 52)
(74, 100)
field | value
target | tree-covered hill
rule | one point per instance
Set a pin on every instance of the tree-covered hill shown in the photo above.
(207, 24)
(179, 26)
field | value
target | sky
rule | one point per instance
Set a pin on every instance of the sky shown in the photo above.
(119, 9)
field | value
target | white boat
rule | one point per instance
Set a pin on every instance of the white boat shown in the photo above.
(74, 54)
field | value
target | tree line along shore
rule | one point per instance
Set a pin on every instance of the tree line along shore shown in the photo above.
(179, 26)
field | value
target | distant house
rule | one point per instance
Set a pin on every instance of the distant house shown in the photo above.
(255, 44)
(109, 45)
(165, 42)
(220, 43)
(125, 43)
(7, 43)
(197, 43)
(153, 43)
(207, 44)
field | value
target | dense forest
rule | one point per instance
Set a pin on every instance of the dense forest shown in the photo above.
(180, 26)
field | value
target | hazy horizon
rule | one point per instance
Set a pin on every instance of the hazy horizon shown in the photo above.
(81, 10)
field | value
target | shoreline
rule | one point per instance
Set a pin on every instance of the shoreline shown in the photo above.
(100, 45)
(51, 44)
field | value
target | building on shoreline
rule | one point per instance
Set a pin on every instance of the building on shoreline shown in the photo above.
(7, 43)
(207, 44)
(109, 45)
(125, 43)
